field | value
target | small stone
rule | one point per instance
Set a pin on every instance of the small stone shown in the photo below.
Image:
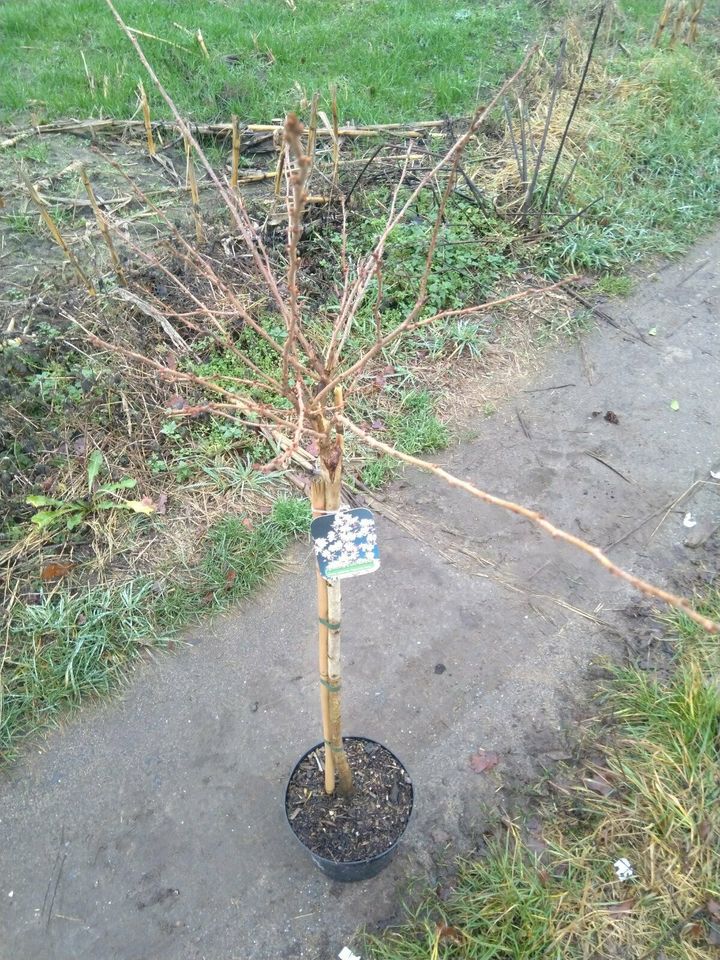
(440, 668)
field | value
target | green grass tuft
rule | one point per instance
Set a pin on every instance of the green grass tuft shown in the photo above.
(66, 648)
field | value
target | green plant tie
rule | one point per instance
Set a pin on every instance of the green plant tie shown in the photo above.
(333, 748)
(332, 687)
(329, 624)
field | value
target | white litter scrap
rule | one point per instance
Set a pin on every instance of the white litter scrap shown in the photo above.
(623, 869)
(715, 475)
(688, 521)
(347, 954)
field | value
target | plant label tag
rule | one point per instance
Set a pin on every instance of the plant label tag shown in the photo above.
(345, 543)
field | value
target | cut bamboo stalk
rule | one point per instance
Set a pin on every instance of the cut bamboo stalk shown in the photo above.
(678, 25)
(312, 130)
(336, 136)
(235, 151)
(317, 499)
(79, 127)
(146, 120)
(103, 226)
(663, 22)
(152, 36)
(279, 171)
(194, 193)
(201, 40)
(57, 235)
(693, 27)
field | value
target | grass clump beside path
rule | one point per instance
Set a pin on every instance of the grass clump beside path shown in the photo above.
(551, 890)
(391, 60)
(64, 647)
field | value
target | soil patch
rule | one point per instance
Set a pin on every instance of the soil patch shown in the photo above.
(359, 827)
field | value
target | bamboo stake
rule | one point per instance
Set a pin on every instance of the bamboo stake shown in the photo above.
(57, 236)
(317, 499)
(235, 152)
(103, 226)
(146, 120)
(331, 469)
(671, 599)
(194, 193)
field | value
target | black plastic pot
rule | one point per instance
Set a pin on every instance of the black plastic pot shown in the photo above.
(351, 870)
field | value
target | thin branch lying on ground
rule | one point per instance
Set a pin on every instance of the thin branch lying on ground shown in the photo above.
(533, 516)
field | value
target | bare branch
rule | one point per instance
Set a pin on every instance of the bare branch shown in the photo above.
(533, 516)
(408, 325)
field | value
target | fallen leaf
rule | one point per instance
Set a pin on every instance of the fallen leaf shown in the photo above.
(483, 760)
(622, 909)
(176, 402)
(54, 571)
(674, 404)
(598, 784)
(161, 503)
(138, 506)
(377, 425)
(443, 932)
(713, 937)
(379, 381)
(696, 931)
(171, 360)
(247, 523)
(704, 830)
(713, 908)
(47, 484)
(313, 449)
(79, 446)
(230, 579)
(208, 597)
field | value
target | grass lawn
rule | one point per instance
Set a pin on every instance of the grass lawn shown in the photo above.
(391, 60)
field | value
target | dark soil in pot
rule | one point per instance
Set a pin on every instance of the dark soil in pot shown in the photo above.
(359, 827)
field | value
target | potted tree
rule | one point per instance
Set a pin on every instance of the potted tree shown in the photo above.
(348, 800)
